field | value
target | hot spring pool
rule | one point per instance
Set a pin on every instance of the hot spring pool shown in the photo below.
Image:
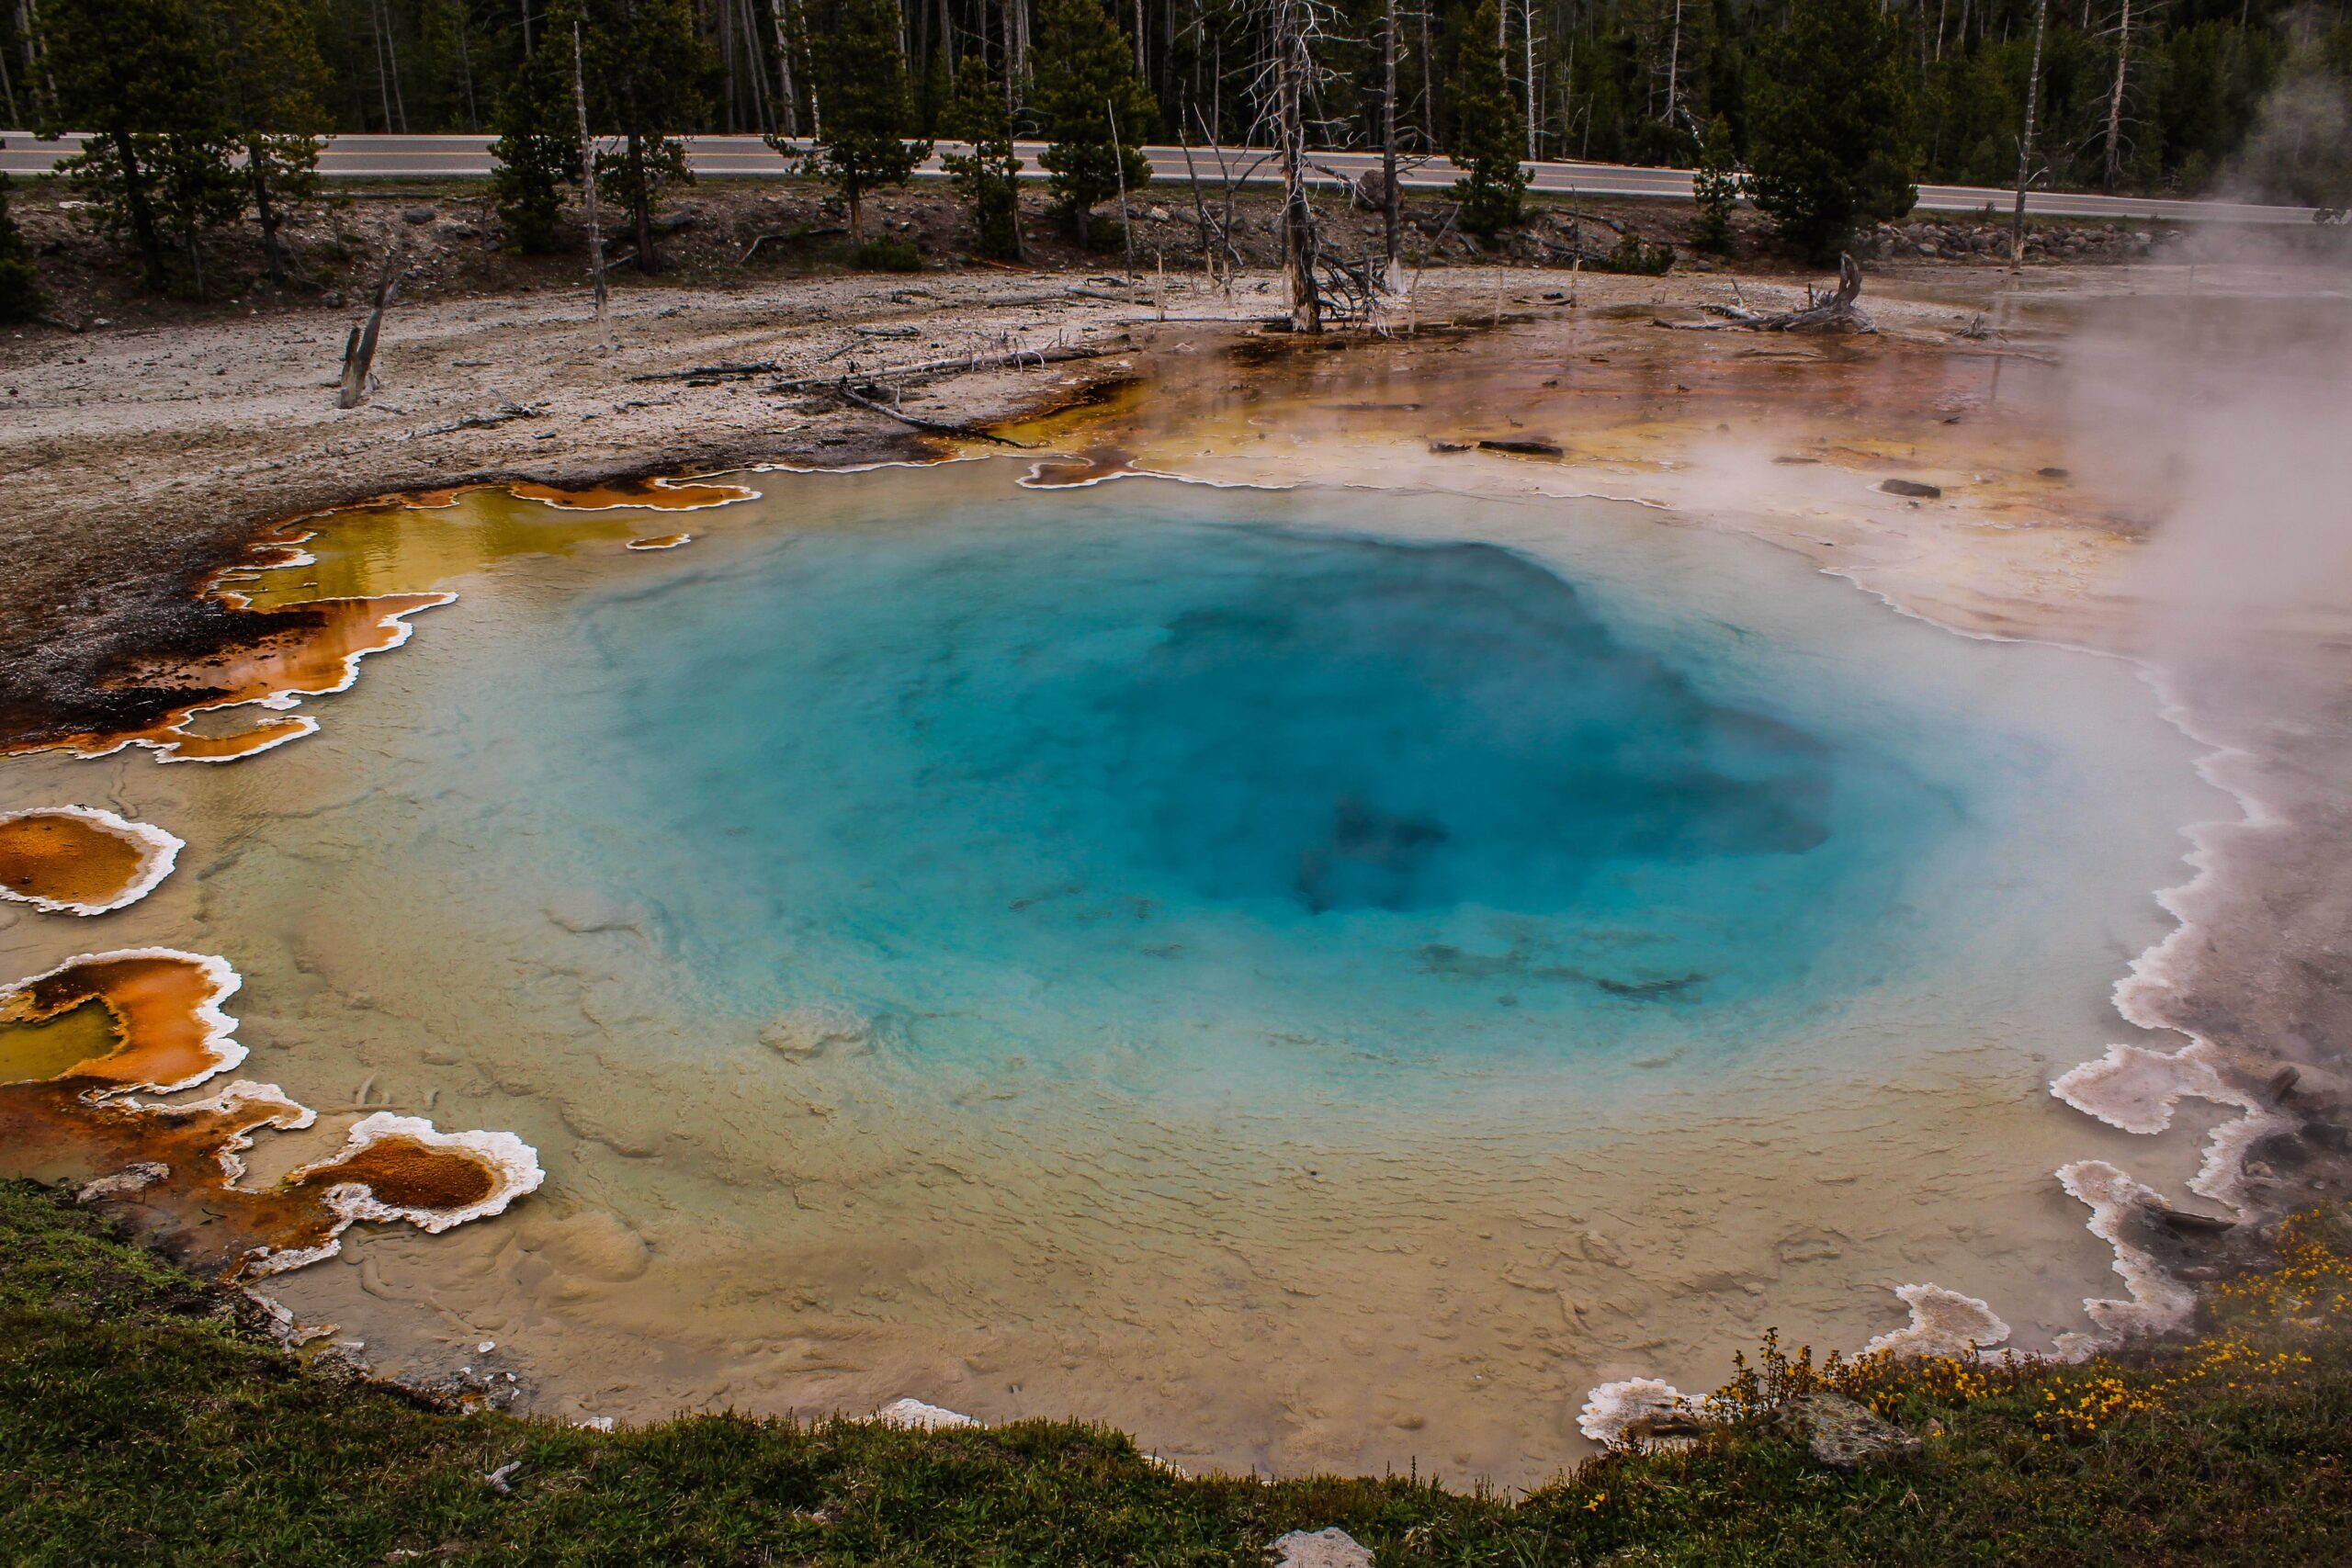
(1316, 978)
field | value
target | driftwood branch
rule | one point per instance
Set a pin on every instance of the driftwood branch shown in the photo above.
(505, 413)
(843, 389)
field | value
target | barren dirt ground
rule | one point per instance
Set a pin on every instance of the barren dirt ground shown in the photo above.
(135, 457)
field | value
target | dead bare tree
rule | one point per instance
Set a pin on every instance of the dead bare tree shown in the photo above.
(359, 348)
(2115, 98)
(588, 173)
(1392, 240)
(1290, 77)
(2025, 142)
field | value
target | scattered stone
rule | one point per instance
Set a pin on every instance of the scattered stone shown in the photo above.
(1449, 445)
(129, 1178)
(595, 1422)
(582, 912)
(1329, 1548)
(2054, 472)
(416, 215)
(916, 1416)
(1840, 1433)
(1523, 448)
(2184, 1219)
(1911, 487)
(809, 1031)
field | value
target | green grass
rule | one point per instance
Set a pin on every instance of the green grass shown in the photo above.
(139, 1423)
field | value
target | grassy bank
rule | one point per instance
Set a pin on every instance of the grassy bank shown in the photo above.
(139, 1423)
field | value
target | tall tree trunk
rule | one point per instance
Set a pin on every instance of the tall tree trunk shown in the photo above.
(142, 210)
(1012, 56)
(785, 86)
(1527, 45)
(1429, 81)
(1674, 63)
(527, 25)
(383, 72)
(38, 80)
(1293, 65)
(466, 73)
(640, 195)
(2025, 142)
(2115, 99)
(1391, 240)
(764, 118)
(1143, 71)
(392, 53)
(588, 173)
(265, 211)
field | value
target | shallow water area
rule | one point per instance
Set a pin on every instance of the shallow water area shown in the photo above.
(1315, 978)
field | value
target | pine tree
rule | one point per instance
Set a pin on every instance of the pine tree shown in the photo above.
(646, 63)
(266, 59)
(132, 71)
(868, 111)
(1490, 135)
(1831, 137)
(1716, 188)
(538, 142)
(20, 293)
(1094, 106)
(989, 176)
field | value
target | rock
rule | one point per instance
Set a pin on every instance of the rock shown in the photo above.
(809, 1031)
(671, 223)
(1158, 214)
(129, 1178)
(582, 912)
(1840, 1433)
(1910, 487)
(1524, 448)
(1330, 1548)
(416, 215)
(915, 1416)
(1449, 445)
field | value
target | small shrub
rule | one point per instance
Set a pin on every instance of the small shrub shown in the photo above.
(1716, 188)
(1636, 255)
(20, 293)
(887, 255)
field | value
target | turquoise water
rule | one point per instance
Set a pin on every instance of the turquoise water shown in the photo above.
(1316, 978)
(1042, 785)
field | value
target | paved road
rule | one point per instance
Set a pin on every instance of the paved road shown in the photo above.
(457, 157)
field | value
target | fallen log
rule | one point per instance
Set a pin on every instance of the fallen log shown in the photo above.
(1837, 314)
(1056, 354)
(712, 372)
(928, 427)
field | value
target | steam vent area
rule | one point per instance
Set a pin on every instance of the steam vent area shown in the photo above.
(1381, 900)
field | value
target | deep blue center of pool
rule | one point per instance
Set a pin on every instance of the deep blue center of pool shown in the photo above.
(1045, 777)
